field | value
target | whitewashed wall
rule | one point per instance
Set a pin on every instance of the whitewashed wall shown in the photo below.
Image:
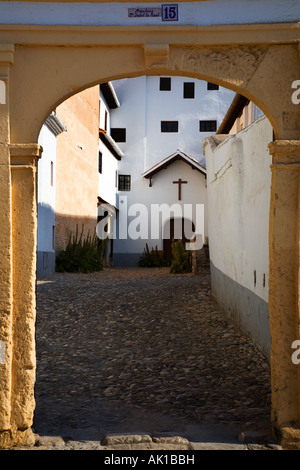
(107, 179)
(46, 203)
(142, 108)
(131, 115)
(135, 208)
(238, 192)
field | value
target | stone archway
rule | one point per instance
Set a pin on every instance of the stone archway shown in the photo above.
(40, 69)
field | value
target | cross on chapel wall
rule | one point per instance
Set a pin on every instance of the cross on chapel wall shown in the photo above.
(179, 182)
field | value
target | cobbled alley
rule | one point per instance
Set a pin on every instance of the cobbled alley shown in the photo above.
(142, 352)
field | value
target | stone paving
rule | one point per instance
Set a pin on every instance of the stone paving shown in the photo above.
(142, 352)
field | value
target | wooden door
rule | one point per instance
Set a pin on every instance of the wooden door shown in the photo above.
(167, 242)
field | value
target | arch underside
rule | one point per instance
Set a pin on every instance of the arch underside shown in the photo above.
(54, 73)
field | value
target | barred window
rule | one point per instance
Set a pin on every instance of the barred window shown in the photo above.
(124, 183)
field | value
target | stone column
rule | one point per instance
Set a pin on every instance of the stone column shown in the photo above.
(284, 289)
(23, 158)
(18, 223)
(6, 315)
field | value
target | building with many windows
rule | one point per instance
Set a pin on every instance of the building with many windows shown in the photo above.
(158, 126)
(133, 149)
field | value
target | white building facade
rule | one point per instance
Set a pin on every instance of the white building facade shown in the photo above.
(159, 126)
(46, 194)
(151, 169)
(109, 157)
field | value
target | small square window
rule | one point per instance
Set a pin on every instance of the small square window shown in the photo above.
(212, 86)
(118, 134)
(124, 183)
(165, 84)
(169, 126)
(189, 90)
(208, 126)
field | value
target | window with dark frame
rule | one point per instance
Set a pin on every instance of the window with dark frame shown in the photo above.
(208, 126)
(118, 134)
(165, 84)
(100, 162)
(189, 90)
(169, 126)
(212, 86)
(124, 183)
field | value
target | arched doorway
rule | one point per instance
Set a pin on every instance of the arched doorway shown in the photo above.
(260, 71)
(174, 230)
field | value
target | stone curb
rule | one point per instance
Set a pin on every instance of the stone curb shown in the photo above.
(139, 442)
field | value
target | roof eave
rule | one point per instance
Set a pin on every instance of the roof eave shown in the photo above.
(111, 144)
(234, 111)
(109, 95)
(165, 163)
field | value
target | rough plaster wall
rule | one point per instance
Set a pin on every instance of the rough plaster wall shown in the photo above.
(239, 180)
(77, 165)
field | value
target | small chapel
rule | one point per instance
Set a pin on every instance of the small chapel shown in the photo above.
(158, 124)
(167, 203)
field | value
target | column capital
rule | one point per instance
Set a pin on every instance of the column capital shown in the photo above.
(24, 155)
(7, 52)
(285, 153)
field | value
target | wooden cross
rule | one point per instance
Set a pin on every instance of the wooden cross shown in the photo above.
(179, 182)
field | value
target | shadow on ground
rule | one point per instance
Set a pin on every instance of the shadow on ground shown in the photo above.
(144, 351)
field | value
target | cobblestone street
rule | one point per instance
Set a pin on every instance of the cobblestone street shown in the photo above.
(143, 351)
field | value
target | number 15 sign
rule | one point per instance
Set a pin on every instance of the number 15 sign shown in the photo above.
(168, 12)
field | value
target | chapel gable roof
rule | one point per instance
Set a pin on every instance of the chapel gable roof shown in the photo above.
(178, 155)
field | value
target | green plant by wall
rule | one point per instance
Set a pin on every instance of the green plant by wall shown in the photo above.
(182, 260)
(151, 258)
(83, 254)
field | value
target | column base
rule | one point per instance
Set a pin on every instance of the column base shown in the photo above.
(289, 437)
(13, 438)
